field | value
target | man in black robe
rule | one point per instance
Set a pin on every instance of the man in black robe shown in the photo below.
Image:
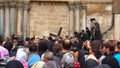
(88, 32)
(95, 30)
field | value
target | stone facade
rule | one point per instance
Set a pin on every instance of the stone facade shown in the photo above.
(41, 17)
(13, 17)
(116, 6)
(48, 17)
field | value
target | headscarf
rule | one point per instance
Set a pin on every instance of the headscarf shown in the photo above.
(22, 57)
(14, 64)
(3, 52)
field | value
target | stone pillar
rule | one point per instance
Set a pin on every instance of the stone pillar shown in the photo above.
(116, 27)
(77, 18)
(2, 20)
(19, 19)
(25, 21)
(71, 18)
(7, 21)
(12, 18)
(84, 18)
(28, 26)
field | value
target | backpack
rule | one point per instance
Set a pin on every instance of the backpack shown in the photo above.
(68, 61)
(81, 58)
(76, 64)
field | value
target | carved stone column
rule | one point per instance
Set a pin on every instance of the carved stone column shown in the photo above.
(28, 26)
(12, 17)
(25, 22)
(71, 18)
(19, 19)
(2, 20)
(116, 27)
(7, 21)
(84, 17)
(77, 18)
(116, 12)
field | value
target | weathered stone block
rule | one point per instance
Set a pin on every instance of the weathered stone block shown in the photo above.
(46, 17)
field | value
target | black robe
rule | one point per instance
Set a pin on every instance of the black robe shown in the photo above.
(96, 33)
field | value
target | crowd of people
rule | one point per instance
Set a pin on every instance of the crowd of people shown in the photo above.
(84, 50)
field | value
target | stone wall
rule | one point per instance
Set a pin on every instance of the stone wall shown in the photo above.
(103, 14)
(116, 6)
(48, 17)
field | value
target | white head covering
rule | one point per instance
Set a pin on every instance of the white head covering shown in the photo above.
(21, 55)
(3, 52)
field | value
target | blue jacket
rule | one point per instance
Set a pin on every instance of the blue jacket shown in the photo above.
(117, 56)
(33, 59)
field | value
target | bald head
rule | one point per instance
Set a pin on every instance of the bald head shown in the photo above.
(48, 55)
(66, 44)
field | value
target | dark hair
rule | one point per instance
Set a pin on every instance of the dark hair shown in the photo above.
(109, 45)
(76, 34)
(87, 28)
(95, 45)
(1, 39)
(118, 45)
(50, 38)
(111, 61)
(66, 44)
(33, 38)
(83, 31)
(8, 46)
(92, 19)
(103, 66)
(14, 64)
(27, 39)
(43, 46)
(57, 48)
(33, 48)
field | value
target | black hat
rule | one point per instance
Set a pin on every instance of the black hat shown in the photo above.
(92, 19)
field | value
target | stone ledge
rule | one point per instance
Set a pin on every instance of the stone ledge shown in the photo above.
(51, 0)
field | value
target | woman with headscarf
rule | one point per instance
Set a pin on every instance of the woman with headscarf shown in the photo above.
(3, 52)
(22, 56)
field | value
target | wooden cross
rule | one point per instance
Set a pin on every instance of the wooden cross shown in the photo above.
(58, 35)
